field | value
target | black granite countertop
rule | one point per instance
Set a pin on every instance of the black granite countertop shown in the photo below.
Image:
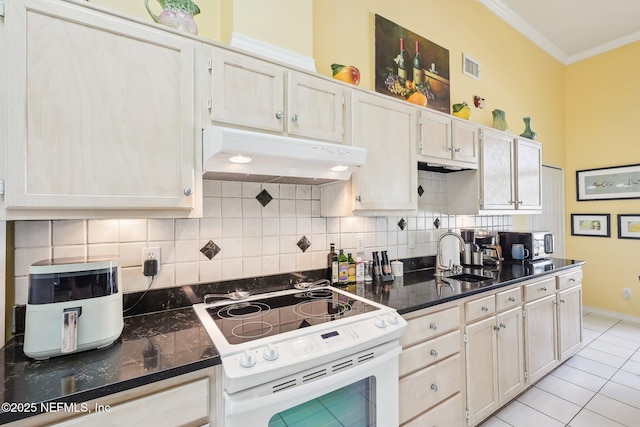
(164, 338)
(152, 347)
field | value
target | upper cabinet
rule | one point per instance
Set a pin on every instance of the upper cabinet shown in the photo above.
(448, 141)
(258, 94)
(508, 180)
(101, 113)
(388, 180)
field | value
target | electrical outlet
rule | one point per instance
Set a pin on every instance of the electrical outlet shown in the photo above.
(626, 293)
(151, 253)
(360, 243)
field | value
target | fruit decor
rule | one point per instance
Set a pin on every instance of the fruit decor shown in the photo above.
(176, 14)
(346, 73)
(461, 110)
(408, 88)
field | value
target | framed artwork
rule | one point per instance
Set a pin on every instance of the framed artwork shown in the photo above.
(629, 226)
(410, 67)
(595, 225)
(617, 182)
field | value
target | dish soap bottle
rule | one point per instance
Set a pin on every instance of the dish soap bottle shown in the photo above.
(343, 268)
(352, 268)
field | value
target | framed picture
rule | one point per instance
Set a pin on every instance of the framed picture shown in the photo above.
(410, 67)
(629, 226)
(595, 225)
(617, 182)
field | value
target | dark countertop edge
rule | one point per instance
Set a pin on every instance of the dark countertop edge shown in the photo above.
(86, 396)
(434, 303)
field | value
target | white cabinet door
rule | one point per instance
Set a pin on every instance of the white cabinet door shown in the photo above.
(510, 349)
(569, 322)
(258, 94)
(528, 174)
(102, 111)
(497, 171)
(449, 141)
(482, 369)
(247, 91)
(315, 108)
(387, 129)
(540, 337)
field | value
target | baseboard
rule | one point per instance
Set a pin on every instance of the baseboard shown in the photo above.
(276, 53)
(611, 314)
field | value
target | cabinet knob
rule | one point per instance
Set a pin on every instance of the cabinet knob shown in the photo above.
(519, 202)
(512, 299)
(433, 326)
(279, 115)
(358, 198)
(188, 191)
(434, 353)
(543, 289)
(457, 150)
(503, 325)
(485, 308)
(562, 301)
(572, 280)
(294, 118)
(434, 387)
(496, 328)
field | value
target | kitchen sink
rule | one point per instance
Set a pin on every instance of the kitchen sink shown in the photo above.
(468, 277)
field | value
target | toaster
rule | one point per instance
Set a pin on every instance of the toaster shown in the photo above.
(73, 305)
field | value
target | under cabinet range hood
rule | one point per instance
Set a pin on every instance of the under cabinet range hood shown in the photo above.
(238, 155)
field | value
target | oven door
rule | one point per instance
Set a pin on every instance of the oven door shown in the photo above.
(363, 394)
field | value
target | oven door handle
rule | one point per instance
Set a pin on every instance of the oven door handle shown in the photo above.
(246, 400)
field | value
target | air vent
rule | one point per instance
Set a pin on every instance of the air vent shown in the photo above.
(366, 357)
(470, 67)
(343, 365)
(314, 375)
(284, 385)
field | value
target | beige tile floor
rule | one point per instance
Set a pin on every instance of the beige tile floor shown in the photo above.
(598, 387)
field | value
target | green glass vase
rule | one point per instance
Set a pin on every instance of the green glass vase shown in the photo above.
(499, 120)
(528, 133)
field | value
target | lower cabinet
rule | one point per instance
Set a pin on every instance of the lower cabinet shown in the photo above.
(430, 369)
(187, 400)
(464, 360)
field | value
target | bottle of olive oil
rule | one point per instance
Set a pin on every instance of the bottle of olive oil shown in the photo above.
(343, 268)
(332, 265)
(352, 269)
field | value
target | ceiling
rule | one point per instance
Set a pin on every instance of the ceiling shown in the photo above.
(572, 30)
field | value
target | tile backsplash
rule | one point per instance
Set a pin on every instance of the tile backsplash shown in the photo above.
(256, 236)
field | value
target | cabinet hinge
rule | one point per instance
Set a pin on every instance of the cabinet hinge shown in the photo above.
(1, 182)
(343, 100)
(210, 64)
(467, 414)
(420, 121)
(480, 135)
(524, 313)
(526, 375)
(421, 145)
(209, 104)
(465, 338)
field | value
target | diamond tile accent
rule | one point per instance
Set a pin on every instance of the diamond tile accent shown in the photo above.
(210, 249)
(402, 224)
(303, 243)
(264, 198)
(436, 223)
(420, 190)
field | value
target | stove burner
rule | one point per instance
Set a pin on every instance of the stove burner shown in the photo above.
(321, 308)
(245, 310)
(262, 329)
(319, 293)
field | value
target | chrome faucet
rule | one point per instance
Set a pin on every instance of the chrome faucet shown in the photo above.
(439, 267)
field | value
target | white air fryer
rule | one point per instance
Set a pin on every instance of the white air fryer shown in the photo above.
(73, 305)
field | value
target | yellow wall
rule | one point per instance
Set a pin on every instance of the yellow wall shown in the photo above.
(602, 113)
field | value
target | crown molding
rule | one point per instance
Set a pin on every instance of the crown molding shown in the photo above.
(270, 51)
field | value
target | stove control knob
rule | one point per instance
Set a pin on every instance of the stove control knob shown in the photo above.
(247, 359)
(270, 353)
(380, 323)
(392, 319)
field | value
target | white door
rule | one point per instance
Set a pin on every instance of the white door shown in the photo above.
(552, 216)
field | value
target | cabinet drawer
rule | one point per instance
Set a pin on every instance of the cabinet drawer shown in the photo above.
(508, 299)
(429, 352)
(430, 325)
(447, 414)
(480, 308)
(428, 387)
(568, 280)
(539, 289)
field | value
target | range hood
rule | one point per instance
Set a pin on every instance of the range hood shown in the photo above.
(238, 155)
